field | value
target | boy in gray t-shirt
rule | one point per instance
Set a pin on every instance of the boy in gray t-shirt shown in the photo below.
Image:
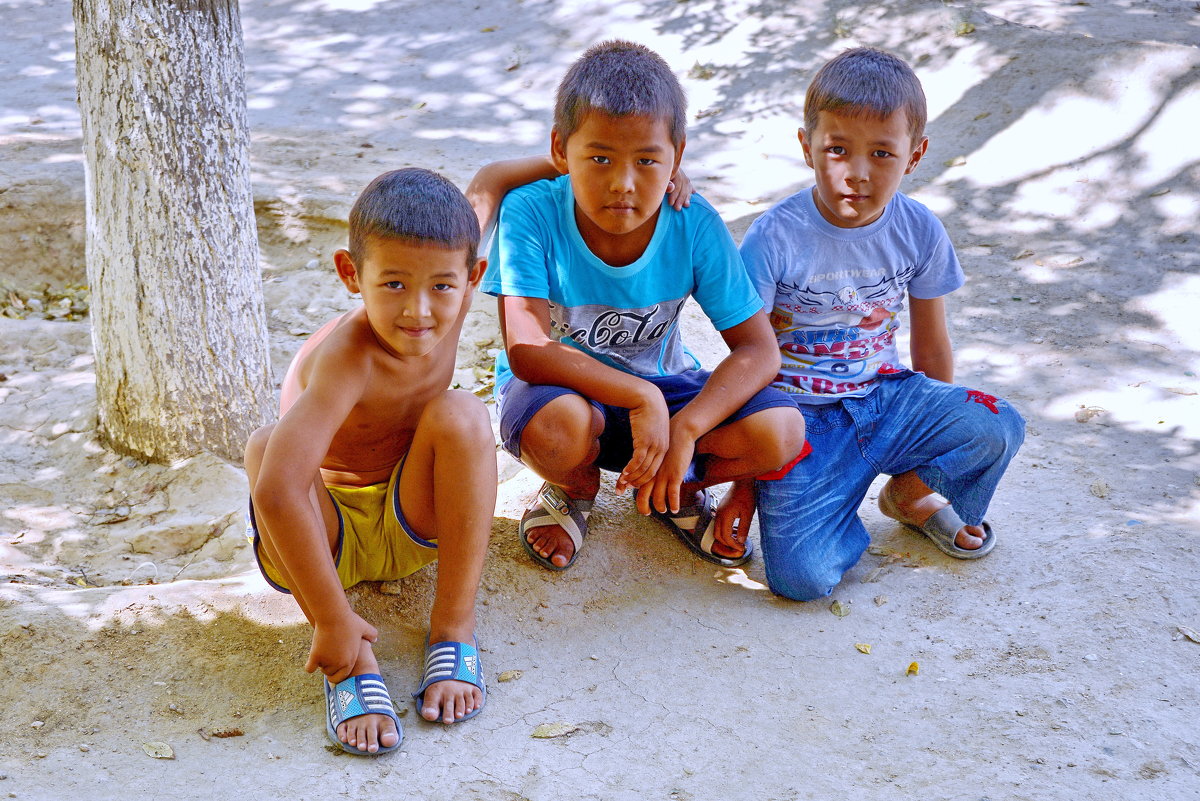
(834, 265)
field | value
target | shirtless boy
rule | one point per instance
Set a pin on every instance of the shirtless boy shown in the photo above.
(375, 468)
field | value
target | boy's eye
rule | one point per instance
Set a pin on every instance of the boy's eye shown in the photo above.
(837, 150)
(881, 154)
(646, 162)
(394, 285)
(443, 287)
(600, 159)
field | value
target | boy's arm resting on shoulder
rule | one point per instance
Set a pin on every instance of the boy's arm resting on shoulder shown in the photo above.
(282, 502)
(536, 358)
(752, 362)
(495, 180)
(929, 339)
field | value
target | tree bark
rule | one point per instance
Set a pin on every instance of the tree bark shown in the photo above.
(178, 322)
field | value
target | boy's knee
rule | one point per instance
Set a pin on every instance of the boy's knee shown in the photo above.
(1014, 426)
(566, 428)
(256, 444)
(776, 436)
(458, 413)
(802, 581)
(1006, 434)
(788, 430)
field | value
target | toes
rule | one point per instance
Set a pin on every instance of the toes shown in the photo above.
(968, 538)
(368, 734)
(546, 542)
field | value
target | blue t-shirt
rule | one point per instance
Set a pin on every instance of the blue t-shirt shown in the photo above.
(835, 294)
(626, 317)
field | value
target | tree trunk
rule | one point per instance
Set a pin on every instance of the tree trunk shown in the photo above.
(178, 323)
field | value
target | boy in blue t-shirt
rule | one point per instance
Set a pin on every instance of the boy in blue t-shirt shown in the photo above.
(834, 263)
(591, 271)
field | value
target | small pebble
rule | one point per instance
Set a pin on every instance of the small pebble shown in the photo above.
(595, 658)
(37, 724)
(1090, 658)
(84, 747)
(313, 264)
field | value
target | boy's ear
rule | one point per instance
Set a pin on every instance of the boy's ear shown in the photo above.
(558, 151)
(917, 154)
(806, 146)
(679, 154)
(346, 270)
(475, 275)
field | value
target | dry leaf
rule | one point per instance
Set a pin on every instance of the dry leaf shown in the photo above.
(510, 675)
(548, 730)
(873, 576)
(957, 161)
(1159, 193)
(488, 29)
(913, 669)
(840, 609)
(1024, 254)
(1191, 634)
(1180, 391)
(863, 647)
(223, 733)
(158, 750)
(1100, 489)
(880, 600)
(964, 29)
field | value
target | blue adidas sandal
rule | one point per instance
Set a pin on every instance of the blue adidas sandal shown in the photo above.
(458, 661)
(356, 696)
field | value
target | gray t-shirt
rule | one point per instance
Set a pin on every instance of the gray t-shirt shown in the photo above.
(835, 294)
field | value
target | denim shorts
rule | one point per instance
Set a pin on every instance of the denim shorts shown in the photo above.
(958, 440)
(520, 401)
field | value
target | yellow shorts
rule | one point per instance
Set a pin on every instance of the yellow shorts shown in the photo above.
(375, 542)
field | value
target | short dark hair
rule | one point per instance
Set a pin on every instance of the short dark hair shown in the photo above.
(865, 81)
(417, 205)
(620, 78)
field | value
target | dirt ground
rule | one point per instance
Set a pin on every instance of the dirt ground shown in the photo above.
(1063, 666)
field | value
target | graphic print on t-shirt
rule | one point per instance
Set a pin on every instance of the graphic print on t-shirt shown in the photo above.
(834, 342)
(634, 339)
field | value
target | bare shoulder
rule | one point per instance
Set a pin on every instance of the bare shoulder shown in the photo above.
(339, 348)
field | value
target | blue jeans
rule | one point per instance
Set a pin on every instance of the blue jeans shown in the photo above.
(959, 442)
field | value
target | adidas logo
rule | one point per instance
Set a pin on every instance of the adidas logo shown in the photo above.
(469, 662)
(345, 699)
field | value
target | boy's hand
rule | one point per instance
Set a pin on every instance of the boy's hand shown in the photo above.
(734, 514)
(335, 646)
(679, 190)
(650, 425)
(663, 491)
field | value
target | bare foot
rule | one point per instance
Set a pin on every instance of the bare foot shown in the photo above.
(450, 700)
(552, 542)
(719, 548)
(907, 499)
(368, 732)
